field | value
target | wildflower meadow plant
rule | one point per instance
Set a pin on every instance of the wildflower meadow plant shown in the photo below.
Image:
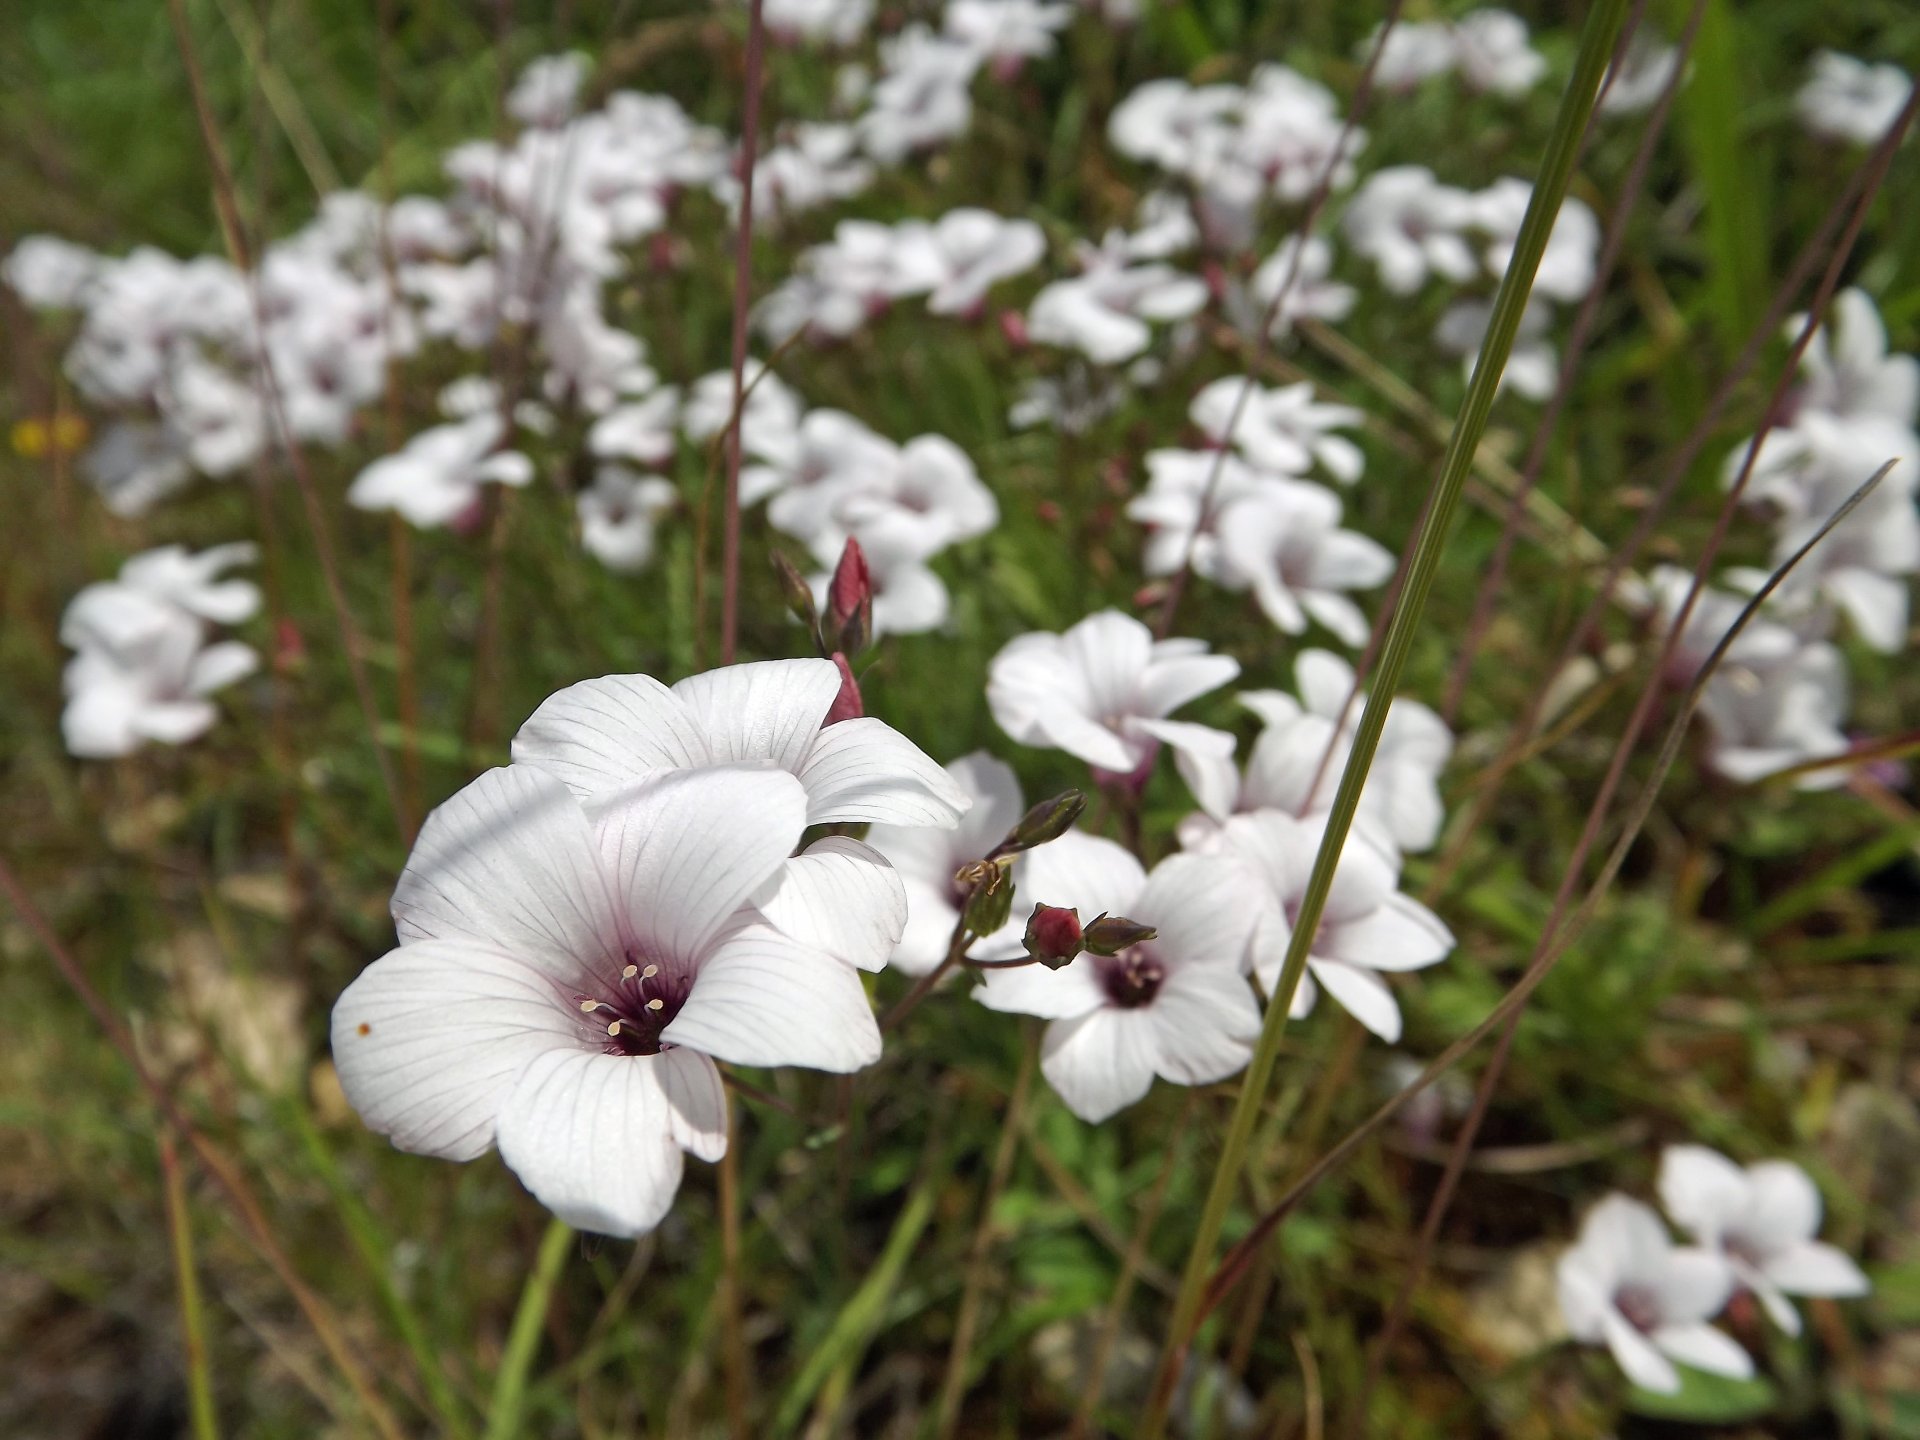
(1017, 624)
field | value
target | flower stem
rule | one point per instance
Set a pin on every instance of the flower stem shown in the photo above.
(523, 1339)
(1603, 21)
(193, 1324)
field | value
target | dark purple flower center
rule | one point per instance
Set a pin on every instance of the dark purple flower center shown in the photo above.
(1639, 1305)
(640, 1002)
(1132, 977)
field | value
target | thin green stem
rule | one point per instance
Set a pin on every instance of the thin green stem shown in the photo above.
(193, 1321)
(510, 1383)
(1596, 44)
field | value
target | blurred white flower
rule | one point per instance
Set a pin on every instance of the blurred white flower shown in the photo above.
(1567, 265)
(830, 22)
(1763, 719)
(49, 273)
(1368, 926)
(1102, 691)
(1848, 371)
(1643, 72)
(1309, 292)
(979, 249)
(813, 164)
(1849, 99)
(1284, 541)
(436, 477)
(1283, 429)
(1415, 50)
(643, 431)
(1533, 367)
(1007, 32)
(1627, 1286)
(1104, 312)
(1764, 1220)
(564, 983)
(1175, 1006)
(1179, 484)
(548, 90)
(1492, 53)
(923, 96)
(1410, 225)
(618, 513)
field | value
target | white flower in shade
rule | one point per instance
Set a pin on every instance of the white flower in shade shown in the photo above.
(1286, 541)
(50, 273)
(1414, 50)
(602, 736)
(1762, 643)
(1309, 294)
(1849, 99)
(1007, 32)
(642, 431)
(173, 576)
(1533, 369)
(828, 457)
(979, 250)
(1863, 567)
(1847, 370)
(1411, 226)
(1643, 72)
(830, 22)
(1303, 747)
(135, 465)
(1283, 429)
(1102, 691)
(1763, 719)
(154, 688)
(1492, 53)
(813, 165)
(436, 477)
(923, 96)
(1104, 312)
(548, 90)
(618, 513)
(926, 859)
(1176, 1006)
(565, 982)
(1567, 265)
(1626, 1285)
(1180, 483)
(1368, 926)
(1764, 1220)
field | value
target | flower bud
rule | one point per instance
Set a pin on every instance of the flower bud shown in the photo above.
(1110, 934)
(1048, 820)
(850, 600)
(1053, 935)
(799, 595)
(990, 905)
(847, 705)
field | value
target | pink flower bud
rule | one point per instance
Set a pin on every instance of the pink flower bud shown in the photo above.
(1053, 935)
(1013, 325)
(852, 586)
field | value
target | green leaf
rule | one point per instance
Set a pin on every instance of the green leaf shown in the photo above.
(1706, 1399)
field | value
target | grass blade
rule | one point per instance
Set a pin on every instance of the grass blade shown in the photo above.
(510, 1384)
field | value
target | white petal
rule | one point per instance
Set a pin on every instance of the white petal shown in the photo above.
(1085, 872)
(686, 849)
(1204, 757)
(929, 930)
(1703, 1191)
(1645, 1366)
(1205, 1022)
(1778, 1307)
(769, 710)
(1362, 994)
(592, 1136)
(763, 999)
(510, 862)
(1401, 934)
(841, 896)
(1061, 994)
(1814, 1268)
(603, 735)
(696, 1100)
(1705, 1348)
(430, 1038)
(1199, 904)
(1691, 1284)
(864, 769)
(1783, 1205)
(219, 665)
(1100, 1062)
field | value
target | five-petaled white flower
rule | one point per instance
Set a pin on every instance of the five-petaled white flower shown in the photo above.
(1763, 1219)
(565, 981)
(1175, 1006)
(1627, 1286)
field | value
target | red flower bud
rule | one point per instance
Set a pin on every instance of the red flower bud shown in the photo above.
(1053, 935)
(1013, 325)
(850, 600)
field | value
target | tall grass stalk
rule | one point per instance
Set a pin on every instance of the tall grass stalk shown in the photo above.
(509, 1402)
(193, 1320)
(1596, 44)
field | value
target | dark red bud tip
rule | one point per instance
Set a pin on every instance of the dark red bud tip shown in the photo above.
(852, 587)
(1013, 325)
(846, 705)
(1053, 935)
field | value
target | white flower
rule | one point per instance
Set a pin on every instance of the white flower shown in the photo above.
(603, 736)
(437, 475)
(642, 431)
(1103, 313)
(134, 466)
(1102, 691)
(1310, 295)
(832, 22)
(565, 982)
(1492, 53)
(1178, 484)
(1863, 567)
(1283, 429)
(617, 516)
(1849, 99)
(119, 698)
(1643, 72)
(1415, 50)
(1410, 225)
(548, 90)
(191, 582)
(1762, 643)
(1007, 32)
(1848, 372)
(1567, 265)
(1767, 718)
(1175, 1006)
(979, 250)
(1627, 1286)
(930, 497)
(829, 456)
(1368, 926)
(813, 165)
(1285, 541)
(1532, 367)
(50, 273)
(1763, 1219)
(769, 423)
(923, 96)
(927, 858)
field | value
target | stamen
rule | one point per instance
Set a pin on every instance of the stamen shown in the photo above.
(629, 972)
(656, 1003)
(649, 972)
(614, 1028)
(587, 1007)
